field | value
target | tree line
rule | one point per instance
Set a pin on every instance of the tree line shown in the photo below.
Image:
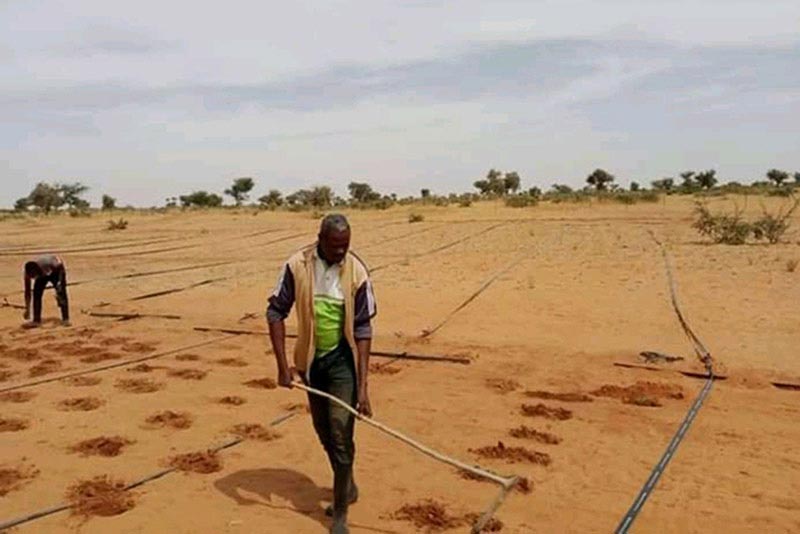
(47, 198)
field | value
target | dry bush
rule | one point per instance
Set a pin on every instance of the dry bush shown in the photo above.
(722, 228)
(416, 217)
(119, 224)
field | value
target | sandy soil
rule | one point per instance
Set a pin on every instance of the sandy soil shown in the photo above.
(588, 290)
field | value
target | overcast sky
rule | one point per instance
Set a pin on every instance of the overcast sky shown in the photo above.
(152, 99)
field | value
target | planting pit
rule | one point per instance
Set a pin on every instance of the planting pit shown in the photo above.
(138, 385)
(253, 432)
(540, 410)
(102, 446)
(261, 383)
(170, 419)
(101, 496)
(513, 454)
(80, 404)
(205, 462)
(563, 397)
(525, 432)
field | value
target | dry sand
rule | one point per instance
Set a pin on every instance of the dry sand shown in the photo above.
(590, 291)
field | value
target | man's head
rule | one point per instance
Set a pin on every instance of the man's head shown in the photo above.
(334, 238)
(32, 269)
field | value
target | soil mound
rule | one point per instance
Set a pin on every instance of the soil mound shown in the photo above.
(513, 454)
(525, 432)
(254, 432)
(102, 446)
(429, 515)
(80, 404)
(540, 410)
(83, 381)
(232, 362)
(261, 383)
(563, 397)
(101, 496)
(188, 374)
(232, 400)
(197, 462)
(12, 479)
(12, 424)
(138, 348)
(641, 393)
(177, 420)
(17, 397)
(502, 385)
(139, 385)
(45, 367)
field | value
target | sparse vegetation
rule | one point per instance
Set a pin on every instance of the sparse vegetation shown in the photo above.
(732, 229)
(119, 224)
(201, 199)
(240, 190)
(521, 201)
(791, 265)
(109, 203)
(415, 218)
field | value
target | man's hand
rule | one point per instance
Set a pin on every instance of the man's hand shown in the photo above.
(364, 407)
(285, 378)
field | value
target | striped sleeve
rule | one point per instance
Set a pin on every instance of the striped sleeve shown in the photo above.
(365, 310)
(282, 299)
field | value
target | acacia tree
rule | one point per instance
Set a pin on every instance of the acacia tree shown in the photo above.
(45, 197)
(202, 199)
(777, 177)
(109, 203)
(600, 179)
(706, 179)
(271, 200)
(511, 182)
(240, 190)
(664, 184)
(362, 192)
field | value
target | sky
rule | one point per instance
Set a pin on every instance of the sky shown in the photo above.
(153, 99)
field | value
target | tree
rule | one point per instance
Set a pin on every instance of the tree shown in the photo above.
(202, 199)
(561, 189)
(511, 182)
(71, 195)
(22, 204)
(240, 189)
(425, 193)
(109, 203)
(664, 184)
(689, 184)
(600, 179)
(317, 197)
(362, 192)
(271, 200)
(45, 197)
(706, 179)
(535, 192)
(777, 177)
(496, 184)
(635, 187)
(797, 178)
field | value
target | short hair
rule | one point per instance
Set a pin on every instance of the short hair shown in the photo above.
(334, 222)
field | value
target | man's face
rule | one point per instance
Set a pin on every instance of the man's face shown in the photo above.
(335, 245)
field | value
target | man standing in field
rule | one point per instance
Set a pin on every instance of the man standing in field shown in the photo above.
(335, 305)
(41, 271)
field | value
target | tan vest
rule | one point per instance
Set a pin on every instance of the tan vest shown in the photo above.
(352, 275)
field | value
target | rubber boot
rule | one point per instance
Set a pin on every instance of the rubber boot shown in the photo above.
(352, 497)
(342, 482)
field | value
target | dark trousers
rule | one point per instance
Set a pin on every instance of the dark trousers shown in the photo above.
(58, 279)
(334, 373)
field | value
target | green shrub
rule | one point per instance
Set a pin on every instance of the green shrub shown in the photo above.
(520, 201)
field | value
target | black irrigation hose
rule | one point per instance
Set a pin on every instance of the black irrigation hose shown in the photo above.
(705, 357)
(178, 289)
(141, 482)
(113, 365)
(440, 248)
(661, 466)
(491, 280)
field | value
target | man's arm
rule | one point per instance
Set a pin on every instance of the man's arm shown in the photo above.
(365, 310)
(280, 305)
(27, 284)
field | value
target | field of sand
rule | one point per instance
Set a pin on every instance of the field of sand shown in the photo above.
(574, 289)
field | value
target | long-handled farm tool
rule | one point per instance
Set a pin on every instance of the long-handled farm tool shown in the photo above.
(506, 483)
